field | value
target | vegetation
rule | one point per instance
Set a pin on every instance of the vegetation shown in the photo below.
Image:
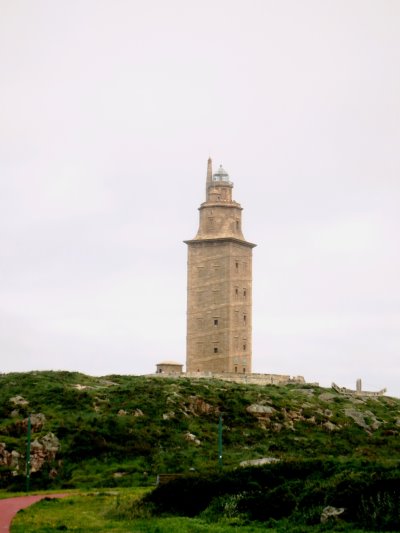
(118, 510)
(122, 431)
(122, 510)
(294, 492)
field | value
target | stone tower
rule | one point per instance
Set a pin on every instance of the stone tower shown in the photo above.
(219, 293)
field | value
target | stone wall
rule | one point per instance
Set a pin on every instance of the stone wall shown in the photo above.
(251, 379)
(358, 391)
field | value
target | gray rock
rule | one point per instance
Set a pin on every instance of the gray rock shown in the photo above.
(331, 513)
(37, 421)
(326, 397)
(330, 426)
(19, 400)
(359, 418)
(259, 462)
(257, 409)
(192, 438)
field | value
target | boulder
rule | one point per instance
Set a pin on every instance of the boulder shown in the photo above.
(331, 513)
(330, 426)
(19, 400)
(43, 450)
(326, 397)
(192, 438)
(10, 459)
(359, 418)
(37, 421)
(259, 462)
(260, 410)
(199, 407)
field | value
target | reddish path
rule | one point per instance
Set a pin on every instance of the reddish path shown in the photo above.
(9, 507)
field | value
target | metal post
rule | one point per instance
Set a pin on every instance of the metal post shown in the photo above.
(220, 441)
(28, 455)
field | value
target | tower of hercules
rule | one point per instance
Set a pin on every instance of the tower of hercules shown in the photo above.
(219, 305)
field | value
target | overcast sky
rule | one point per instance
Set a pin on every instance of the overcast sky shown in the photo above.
(109, 110)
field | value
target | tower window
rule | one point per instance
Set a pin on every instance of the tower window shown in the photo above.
(244, 347)
(236, 292)
(237, 265)
(215, 321)
(244, 293)
(237, 224)
(244, 319)
(244, 370)
(235, 368)
(215, 349)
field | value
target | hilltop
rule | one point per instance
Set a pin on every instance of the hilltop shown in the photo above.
(125, 430)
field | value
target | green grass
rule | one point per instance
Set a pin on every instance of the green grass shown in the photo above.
(97, 512)
(121, 431)
(104, 443)
(85, 512)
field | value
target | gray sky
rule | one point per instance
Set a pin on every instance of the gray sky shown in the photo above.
(109, 111)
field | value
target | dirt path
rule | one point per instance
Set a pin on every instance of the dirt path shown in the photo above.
(9, 507)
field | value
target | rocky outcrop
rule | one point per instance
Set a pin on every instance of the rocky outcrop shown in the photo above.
(330, 513)
(330, 426)
(263, 413)
(43, 450)
(37, 422)
(191, 438)
(259, 462)
(362, 419)
(10, 459)
(198, 407)
(19, 401)
(260, 410)
(326, 397)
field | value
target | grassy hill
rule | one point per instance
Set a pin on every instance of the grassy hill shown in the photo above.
(124, 430)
